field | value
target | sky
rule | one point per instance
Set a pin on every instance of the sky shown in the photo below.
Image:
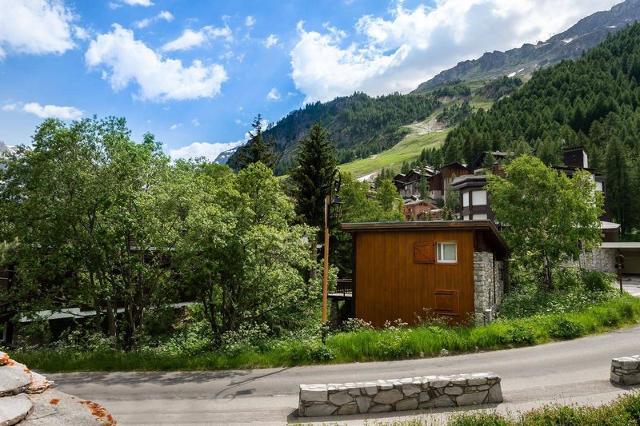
(195, 72)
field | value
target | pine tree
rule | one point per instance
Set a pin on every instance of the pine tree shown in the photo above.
(257, 149)
(314, 176)
(423, 187)
(618, 185)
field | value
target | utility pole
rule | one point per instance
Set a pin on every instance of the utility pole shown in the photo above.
(325, 274)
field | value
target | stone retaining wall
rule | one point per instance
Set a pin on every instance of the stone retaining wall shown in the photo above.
(626, 370)
(488, 281)
(399, 395)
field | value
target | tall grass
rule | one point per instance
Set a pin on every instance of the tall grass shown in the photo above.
(362, 345)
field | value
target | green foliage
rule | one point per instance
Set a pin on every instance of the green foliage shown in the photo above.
(359, 125)
(454, 114)
(621, 412)
(575, 290)
(547, 217)
(314, 176)
(260, 148)
(241, 254)
(363, 344)
(83, 221)
(592, 102)
(500, 87)
(565, 329)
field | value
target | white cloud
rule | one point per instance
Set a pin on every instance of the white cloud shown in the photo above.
(411, 46)
(144, 3)
(190, 38)
(195, 122)
(35, 27)
(53, 111)
(10, 107)
(129, 60)
(164, 15)
(273, 95)
(202, 149)
(175, 126)
(249, 21)
(270, 41)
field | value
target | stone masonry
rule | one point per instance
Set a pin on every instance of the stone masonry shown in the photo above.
(626, 370)
(488, 277)
(399, 395)
(27, 398)
(599, 259)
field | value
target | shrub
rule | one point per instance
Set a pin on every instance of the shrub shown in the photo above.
(594, 281)
(565, 329)
(356, 324)
(479, 419)
(321, 353)
(518, 334)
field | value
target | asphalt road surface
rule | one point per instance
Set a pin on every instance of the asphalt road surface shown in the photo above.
(576, 371)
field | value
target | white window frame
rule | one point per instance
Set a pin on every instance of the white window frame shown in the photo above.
(440, 251)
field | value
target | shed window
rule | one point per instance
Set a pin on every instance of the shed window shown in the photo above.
(447, 252)
(465, 199)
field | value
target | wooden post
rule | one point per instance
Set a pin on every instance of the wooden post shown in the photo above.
(325, 274)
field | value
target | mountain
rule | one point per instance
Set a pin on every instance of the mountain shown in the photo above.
(359, 125)
(523, 61)
(223, 157)
(593, 102)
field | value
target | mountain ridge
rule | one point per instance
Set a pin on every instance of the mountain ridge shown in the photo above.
(569, 44)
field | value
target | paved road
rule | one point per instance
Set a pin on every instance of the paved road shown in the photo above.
(631, 284)
(574, 371)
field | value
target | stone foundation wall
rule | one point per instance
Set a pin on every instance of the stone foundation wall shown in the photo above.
(599, 259)
(626, 370)
(488, 277)
(399, 395)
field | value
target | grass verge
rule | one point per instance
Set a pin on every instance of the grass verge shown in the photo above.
(364, 345)
(624, 411)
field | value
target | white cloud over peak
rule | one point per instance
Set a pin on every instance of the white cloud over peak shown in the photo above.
(399, 52)
(125, 59)
(35, 27)
(270, 41)
(273, 95)
(190, 38)
(210, 151)
(164, 15)
(53, 111)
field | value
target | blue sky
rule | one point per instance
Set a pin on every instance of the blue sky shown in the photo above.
(196, 72)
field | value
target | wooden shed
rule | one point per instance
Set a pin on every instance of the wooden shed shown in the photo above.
(450, 268)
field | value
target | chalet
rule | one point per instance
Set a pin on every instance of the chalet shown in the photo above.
(403, 270)
(421, 210)
(475, 202)
(441, 181)
(408, 184)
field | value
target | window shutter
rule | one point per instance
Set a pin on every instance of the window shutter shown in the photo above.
(424, 252)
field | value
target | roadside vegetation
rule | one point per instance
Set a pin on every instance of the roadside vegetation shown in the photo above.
(624, 411)
(189, 347)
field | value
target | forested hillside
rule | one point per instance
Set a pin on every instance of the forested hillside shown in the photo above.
(591, 102)
(359, 125)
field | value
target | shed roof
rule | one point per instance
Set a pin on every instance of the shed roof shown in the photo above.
(485, 226)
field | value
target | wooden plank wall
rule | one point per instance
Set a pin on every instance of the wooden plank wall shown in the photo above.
(390, 285)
